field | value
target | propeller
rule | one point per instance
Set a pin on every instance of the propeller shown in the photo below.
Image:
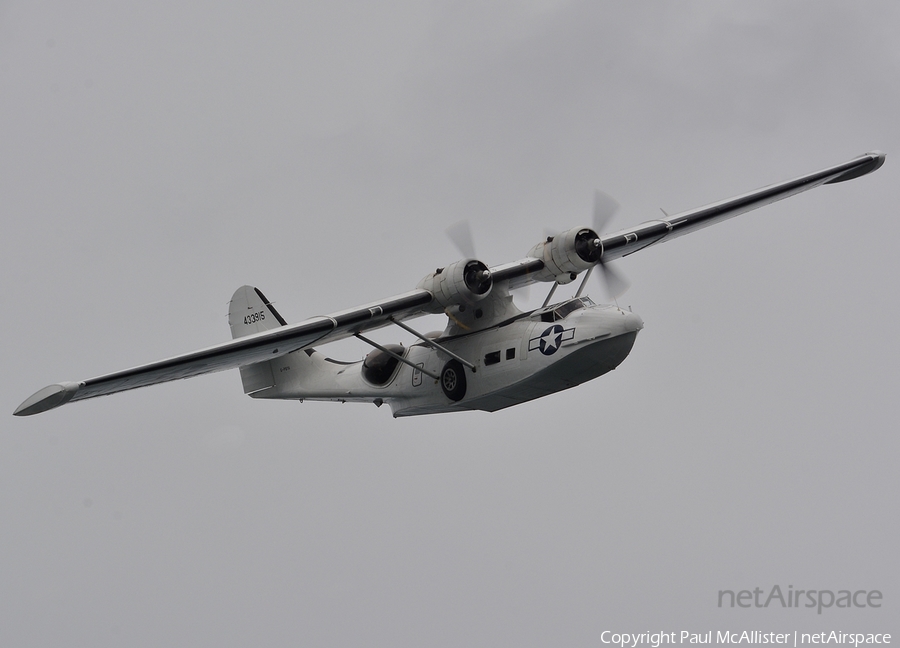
(476, 274)
(614, 283)
(460, 234)
(605, 209)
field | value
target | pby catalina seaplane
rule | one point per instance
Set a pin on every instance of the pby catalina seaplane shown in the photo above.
(490, 356)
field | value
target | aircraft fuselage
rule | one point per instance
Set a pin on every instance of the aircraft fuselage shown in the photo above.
(527, 357)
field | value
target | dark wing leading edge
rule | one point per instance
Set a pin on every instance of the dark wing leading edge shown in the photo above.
(229, 355)
(629, 241)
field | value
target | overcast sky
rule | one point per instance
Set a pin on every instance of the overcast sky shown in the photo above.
(156, 156)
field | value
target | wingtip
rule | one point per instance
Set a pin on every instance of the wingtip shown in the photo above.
(47, 398)
(874, 162)
(880, 157)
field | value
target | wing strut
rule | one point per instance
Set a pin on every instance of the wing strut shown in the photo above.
(584, 281)
(550, 294)
(398, 356)
(433, 344)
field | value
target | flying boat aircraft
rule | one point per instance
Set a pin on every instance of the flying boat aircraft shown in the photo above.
(490, 355)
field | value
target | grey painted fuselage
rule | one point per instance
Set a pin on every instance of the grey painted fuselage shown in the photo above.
(530, 356)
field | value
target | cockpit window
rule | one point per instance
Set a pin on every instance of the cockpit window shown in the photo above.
(569, 307)
(564, 309)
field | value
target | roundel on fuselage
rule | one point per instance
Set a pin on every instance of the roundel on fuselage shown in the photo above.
(550, 339)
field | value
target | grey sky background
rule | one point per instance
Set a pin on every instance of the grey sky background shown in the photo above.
(156, 156)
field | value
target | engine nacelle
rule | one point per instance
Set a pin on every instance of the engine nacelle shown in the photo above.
(567, 254)
(465, 282)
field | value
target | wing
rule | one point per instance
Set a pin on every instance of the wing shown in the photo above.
(629, 241)
(229, 355)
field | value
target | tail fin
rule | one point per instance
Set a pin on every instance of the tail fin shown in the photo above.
(250, 312)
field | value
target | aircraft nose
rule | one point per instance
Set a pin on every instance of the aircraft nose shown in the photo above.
(633, 322)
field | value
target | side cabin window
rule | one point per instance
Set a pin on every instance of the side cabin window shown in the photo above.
(379, 367)
(493, 357)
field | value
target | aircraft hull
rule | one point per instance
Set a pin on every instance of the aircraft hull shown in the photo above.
(586, 363)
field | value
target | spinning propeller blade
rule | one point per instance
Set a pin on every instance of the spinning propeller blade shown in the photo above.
(460, 235)
(613, 280)
(605, 209)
